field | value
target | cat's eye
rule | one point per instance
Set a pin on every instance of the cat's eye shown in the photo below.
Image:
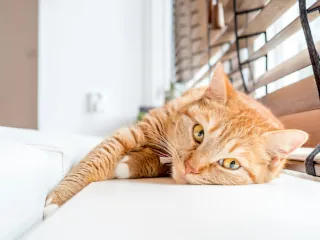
(230, 163)
(198, 133)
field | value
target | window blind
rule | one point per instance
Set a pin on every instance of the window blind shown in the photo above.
(198, 42)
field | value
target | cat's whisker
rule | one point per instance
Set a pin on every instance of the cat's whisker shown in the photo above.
(161, 140)
(162, 154)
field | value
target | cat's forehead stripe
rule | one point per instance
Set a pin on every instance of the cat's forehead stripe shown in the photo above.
(234, 147)
(186, 113)
(214, 128)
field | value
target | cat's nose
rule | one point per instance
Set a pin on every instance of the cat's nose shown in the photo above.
(190, 168)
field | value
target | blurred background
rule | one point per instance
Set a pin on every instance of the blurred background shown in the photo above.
(74, 71)
(90, 67)
(79, 66)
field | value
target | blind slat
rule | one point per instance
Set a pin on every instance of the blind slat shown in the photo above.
(284, 34)
(297, 97)
(299, 61)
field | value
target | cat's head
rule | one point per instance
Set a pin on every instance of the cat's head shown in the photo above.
(227, 138)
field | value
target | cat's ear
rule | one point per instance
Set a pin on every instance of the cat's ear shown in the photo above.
(284, 142)
(220, 87)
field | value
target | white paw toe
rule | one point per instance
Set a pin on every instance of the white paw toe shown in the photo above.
(49, 210)
(49, 201)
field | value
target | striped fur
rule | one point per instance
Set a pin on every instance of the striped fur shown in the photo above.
(235, 126)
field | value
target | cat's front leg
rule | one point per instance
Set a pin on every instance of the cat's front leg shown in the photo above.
(98, 165)
(143, 163)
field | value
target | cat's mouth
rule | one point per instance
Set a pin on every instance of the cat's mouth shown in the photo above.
(178, 172)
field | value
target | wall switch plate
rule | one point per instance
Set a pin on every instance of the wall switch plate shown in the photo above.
(96, 102)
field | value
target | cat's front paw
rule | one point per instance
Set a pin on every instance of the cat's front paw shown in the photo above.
(50, 207)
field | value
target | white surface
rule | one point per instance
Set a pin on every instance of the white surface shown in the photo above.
(73, 146)
(29, 170)
(26, 175)
(156, 209)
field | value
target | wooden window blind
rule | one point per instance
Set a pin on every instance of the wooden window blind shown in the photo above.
(197, 42)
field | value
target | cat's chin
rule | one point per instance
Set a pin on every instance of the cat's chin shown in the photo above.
(178, 176)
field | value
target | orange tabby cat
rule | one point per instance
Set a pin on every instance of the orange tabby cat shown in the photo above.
(213, 135)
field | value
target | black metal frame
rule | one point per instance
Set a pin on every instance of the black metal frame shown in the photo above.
(309, 163)
(315, 62)
(238, 38)
(314, 55)
(208, 34)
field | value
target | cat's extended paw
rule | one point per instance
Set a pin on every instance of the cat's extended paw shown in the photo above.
(122, 169)
(49, 208)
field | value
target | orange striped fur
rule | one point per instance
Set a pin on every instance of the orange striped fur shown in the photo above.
(235, 126)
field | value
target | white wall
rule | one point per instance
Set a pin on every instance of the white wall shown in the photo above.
(85, 46)
(157, 65)
(99, 45)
